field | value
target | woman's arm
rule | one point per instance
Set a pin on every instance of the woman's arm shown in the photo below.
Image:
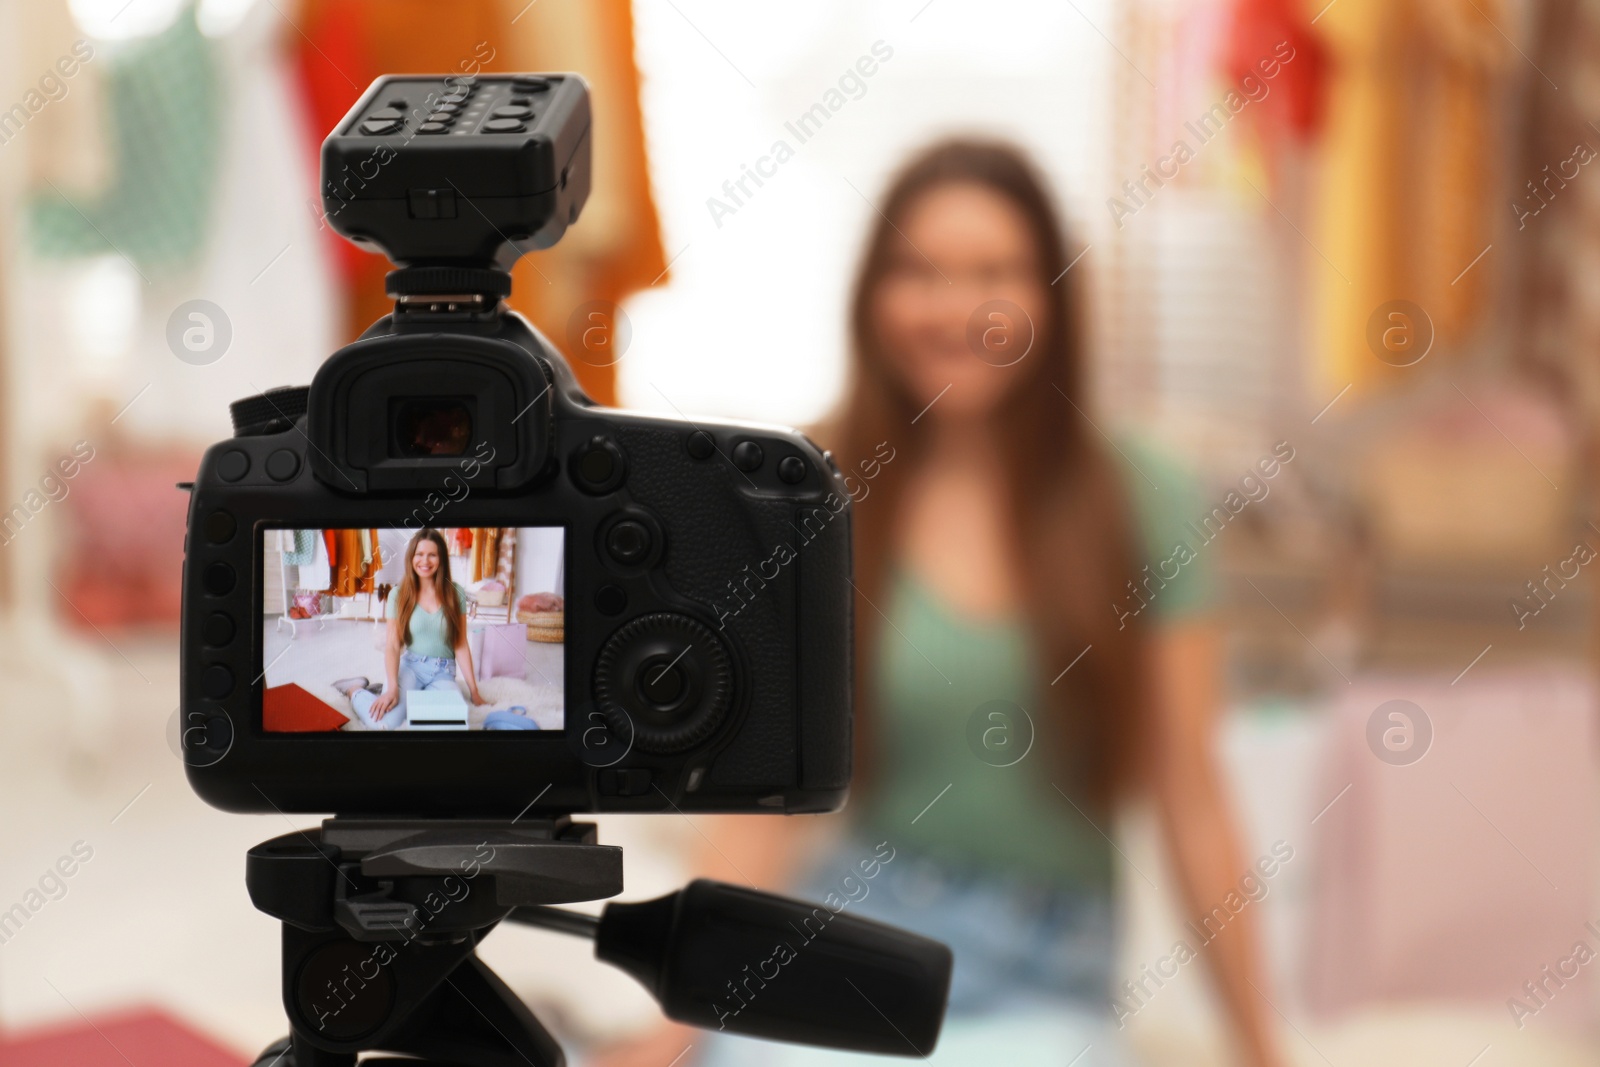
(1200, 830)
(464, 658)
(391, 672)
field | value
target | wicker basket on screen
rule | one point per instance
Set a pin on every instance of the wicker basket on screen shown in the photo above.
(545, 626)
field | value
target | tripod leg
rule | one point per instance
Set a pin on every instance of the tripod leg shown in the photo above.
(281, 1053)
(474, 1017)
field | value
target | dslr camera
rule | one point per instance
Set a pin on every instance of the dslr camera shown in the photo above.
(656, 614)
(658, 610)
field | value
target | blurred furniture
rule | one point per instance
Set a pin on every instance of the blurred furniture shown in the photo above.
(1457, 869)
(142, 1036)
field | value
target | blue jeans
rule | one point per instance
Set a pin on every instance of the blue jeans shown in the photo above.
(416, 672)
(1033, 964)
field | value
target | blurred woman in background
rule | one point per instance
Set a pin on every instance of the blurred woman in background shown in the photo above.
(1032, 645)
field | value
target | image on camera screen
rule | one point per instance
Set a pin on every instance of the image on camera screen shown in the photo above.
(405, 629)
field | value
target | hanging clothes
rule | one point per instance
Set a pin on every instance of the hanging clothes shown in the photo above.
(353, 566)
(485, 552)
(316, 573)
(164, 111)
(1556, 328)
(1405, 207)
(1261, 34)
(301, 548)
(463, 541)
(508, 541)
(616, 248)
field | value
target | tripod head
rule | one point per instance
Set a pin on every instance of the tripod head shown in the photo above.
(381, 919)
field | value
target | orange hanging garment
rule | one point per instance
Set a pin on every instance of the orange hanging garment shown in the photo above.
(1404, 207)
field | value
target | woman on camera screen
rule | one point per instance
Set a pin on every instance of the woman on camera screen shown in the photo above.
(426, 638)
(1033, 649)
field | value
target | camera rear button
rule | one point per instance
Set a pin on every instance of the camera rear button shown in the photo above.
(217, 579)
(610, 600)
(216, 682)
(700, 445)
(283, 465)
(598, 466)
(792, 469)
(218, 629)
(233, 465)
(628, 542)
(433, 127)
(512, 112)
(220, 527)
(747, 456)
(504, 126)
(378, 127)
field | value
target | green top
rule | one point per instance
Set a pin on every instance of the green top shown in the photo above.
(426, 636)
(959, 780)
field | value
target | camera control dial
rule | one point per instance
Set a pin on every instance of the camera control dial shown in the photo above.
(665, 680)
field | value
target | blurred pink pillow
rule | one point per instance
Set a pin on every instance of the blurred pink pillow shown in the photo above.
(1458, 866)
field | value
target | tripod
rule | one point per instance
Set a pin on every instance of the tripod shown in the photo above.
(382, 918)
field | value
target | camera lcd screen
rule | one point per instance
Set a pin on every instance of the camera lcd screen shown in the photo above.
(410, 630)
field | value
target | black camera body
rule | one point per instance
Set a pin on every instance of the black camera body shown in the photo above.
(705, 660)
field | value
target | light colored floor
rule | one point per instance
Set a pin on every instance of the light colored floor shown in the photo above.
(338, 648)
(159, 913)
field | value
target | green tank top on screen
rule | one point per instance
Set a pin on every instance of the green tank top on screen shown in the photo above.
(427, 630)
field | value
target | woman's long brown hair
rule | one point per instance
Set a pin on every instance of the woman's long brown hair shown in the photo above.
(1068, 515)
(410, 589)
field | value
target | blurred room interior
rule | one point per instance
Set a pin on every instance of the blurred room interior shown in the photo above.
(1379, 264)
